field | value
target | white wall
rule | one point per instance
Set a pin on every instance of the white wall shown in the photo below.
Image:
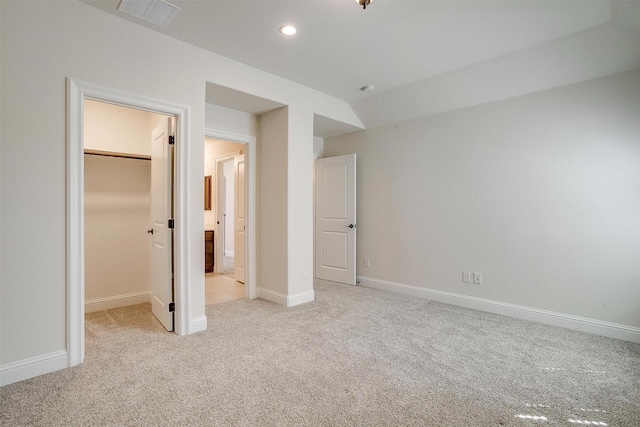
(272, 219)
(116, 129)
(231, 121)
(318, 147)
(87, 44)
(300, 203)
(117, 246)
(286, 216)
(540, 193)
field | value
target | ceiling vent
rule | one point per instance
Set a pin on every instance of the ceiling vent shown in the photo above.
(158, 12)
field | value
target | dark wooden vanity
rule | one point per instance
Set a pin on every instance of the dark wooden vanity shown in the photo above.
(208, 251)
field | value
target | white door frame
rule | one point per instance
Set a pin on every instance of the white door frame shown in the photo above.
(250, 159)
(77, 92)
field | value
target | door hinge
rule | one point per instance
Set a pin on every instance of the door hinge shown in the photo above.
(172, 307)
(171, 224)
(172, 140)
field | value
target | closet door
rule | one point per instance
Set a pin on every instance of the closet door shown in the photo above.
(162, 247)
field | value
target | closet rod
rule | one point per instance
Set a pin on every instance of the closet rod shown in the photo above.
(120, 155)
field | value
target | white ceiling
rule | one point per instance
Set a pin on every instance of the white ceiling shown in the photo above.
(424, 57)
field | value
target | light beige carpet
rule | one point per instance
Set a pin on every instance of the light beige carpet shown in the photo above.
(354, 357)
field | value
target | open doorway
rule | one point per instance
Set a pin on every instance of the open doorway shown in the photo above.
(77, 93)
(127, 206)
(225, 220)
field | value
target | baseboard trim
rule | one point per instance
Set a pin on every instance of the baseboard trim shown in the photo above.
(286, 300)
(301, 298)
(198, 324)
(584, 324)
(116, 301)
(272, 296)
(32, 367)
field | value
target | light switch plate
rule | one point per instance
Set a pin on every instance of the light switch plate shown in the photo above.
(466, 276)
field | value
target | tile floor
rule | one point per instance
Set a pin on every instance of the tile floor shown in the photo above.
(221, 288)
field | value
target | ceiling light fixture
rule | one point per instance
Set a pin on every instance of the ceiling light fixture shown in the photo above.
(364, 3)
(288, 30)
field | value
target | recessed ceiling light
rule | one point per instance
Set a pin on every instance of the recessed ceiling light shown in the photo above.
(368, 88)
(288, 30)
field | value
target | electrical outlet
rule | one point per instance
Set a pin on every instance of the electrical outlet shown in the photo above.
(477, 278)
(366, 262)
(466, 276)
(303, 273)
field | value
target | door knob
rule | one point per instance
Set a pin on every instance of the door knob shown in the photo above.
(351, 226)
(150, 231)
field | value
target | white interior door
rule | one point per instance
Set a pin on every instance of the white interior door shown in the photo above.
(161, 203)
(220, 206)
(239, 220)
(229, 207)
(335, 228)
